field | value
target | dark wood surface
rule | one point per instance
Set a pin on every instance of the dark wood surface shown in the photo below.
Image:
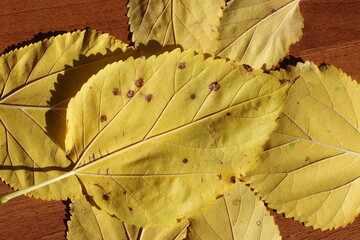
(331, 35)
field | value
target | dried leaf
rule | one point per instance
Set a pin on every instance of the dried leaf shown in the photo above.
(191, 24)
(151, 154)
(238, 214)
(311, 168)
(88, 222)
(259, 33)
(36, 83)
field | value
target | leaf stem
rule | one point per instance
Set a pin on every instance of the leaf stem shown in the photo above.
(10, 196)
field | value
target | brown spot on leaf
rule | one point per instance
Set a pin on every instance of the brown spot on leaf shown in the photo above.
(269, 97)
(130, 209)
(139, 82)
(193, 96)
(236, 202)
(130, 93)
(284, 81)
(105, 197)
(178, 220)
(214, 86)
(103, 118)
(307, 159)
(233, 179)
(185, 160)
(124, 192)
(115, 91)
(219, 176)
(228, 114)
(181, 65)
(248, 68)
(148, 97)
(219, 196)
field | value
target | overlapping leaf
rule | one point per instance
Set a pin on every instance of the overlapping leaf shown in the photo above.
(238, 214)
(152, 136)
(191, 24)
(235, 215)
(88, 222)
(36, 83)
(259, 33)
(311, 167)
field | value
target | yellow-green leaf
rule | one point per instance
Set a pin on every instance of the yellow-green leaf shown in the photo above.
(238, 214)
(152, 136)
(91, 223)
(36, 83)
(259, 33)
(190, 24)
(311, 168)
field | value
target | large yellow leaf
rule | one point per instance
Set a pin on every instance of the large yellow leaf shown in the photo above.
(36, 83)
(259, 33)
(191, 24)
(238, 214)
(152, 136)
(89, 222)
(156, 140)
(311, 167)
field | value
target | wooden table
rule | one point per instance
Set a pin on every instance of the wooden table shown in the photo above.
(331, 35)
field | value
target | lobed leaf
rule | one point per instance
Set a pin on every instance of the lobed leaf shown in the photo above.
(158, 139)
(310, 170)
(36, 83)
(259, 33)
(191, 24)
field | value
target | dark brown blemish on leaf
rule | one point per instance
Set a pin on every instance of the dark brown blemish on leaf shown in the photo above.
(139, 82)
(130, 93)
(248, 68)
(181, 65)
(115, 91)
(233, 179)
(214, 86)
(228, 114)
(193, 96)
(284, 81)
(148, 97)
(269, 97)
(219, 196)
(130, 209)
(307, 159)
(185, 160)
(219, 176)
(124, 192)
(105, 197)
(178, 220)
(103, 118)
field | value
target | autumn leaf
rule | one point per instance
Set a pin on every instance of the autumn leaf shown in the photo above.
(238, 214)
(235, 215)
(36, 83)
(259, 33)
(310, 170)
(89, 222)
(150, 137)
(191, 24)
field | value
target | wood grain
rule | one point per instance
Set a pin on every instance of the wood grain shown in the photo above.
(331, 35)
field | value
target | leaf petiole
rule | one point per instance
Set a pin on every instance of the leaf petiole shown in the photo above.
(12, 195)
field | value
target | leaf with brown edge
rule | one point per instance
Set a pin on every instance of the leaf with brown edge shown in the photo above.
(36, 84)
(153, 157)
(310, 169)
(238, 214)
